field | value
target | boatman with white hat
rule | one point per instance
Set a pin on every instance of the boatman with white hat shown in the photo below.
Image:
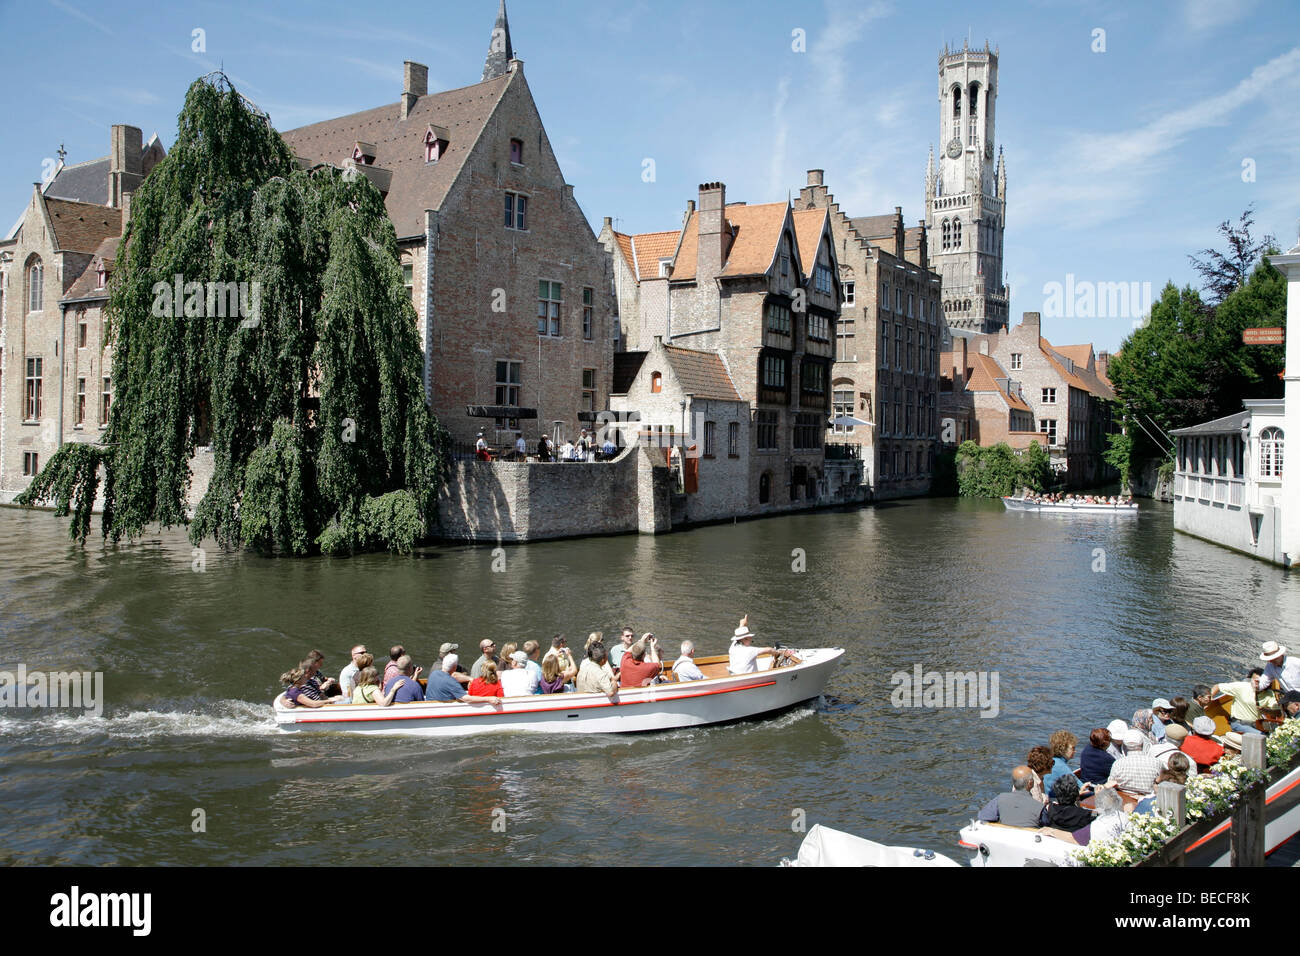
(743, 655)
(1278, 667)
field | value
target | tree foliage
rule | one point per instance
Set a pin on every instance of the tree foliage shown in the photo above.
(1119, 455)
(1223, 272)
(312, 400)
(998, 470)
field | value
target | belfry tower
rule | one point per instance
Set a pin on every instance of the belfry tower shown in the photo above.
(500, 52)
(965, 196)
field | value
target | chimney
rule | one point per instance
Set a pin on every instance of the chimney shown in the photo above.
(712, 230)
(607, 224)
(415, 83)
(1032, 320)
(816, 177)
(124, 159)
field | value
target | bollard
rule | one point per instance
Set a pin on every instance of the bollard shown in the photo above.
(1172, 798)
(1249, 821)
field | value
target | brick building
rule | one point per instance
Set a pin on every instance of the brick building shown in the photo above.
(759, 287)
(512, 290)
(980, 402)
(55, 361)
(891, 326)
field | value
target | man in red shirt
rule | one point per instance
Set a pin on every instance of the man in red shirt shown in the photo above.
(1200, 746)
(641, 664)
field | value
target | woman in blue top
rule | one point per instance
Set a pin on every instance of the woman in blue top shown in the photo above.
(1062, 743)
(1095, 761)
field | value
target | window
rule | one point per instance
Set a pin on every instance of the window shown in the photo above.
(35, 287)
(1049, 396)
(32, 408)
(884, 345)
(898, 300)
(1016, 361)
(656, 382)
(956, 233)
(823, 280)
(665, 267)
(408, 279)
(588, 312)
(884, 417)
(1048, 425)
(818, 327)
(507, 389)
(947, 234)
(733, 439)
(516, 211)
(785, 256)
(31, 463)
(909, 305)
(81, 402)
(517, 151)
(1270, 453)
(589, 389)
(842, 407)
(778, 318)
(884, 298)
(884, 461)
(709, 429)
(81, 328)
(550, 299)
(101, 276)
(773, 371)
(814, 378)
(849, 294)
(105, 400)
(765, 488)
(809, 429)
(910, 350)
(766, 431)
(898, 346)
(432, 146)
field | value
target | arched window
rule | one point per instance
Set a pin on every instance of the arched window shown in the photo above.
(947, 233)
(656, 382)
(974, 100)
(1270, 453)
(765, 488)
(956, 233)
(35, 285)
(956, 105)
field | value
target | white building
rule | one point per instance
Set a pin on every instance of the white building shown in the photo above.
(1231, 485)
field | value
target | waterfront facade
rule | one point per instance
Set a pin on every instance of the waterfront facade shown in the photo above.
(56, 362)
(966, 193)
(511, 289)
(886, 369)
(980, 402)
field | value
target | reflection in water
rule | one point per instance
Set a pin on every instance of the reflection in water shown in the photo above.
(191, 659)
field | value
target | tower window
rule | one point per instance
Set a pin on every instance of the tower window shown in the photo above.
(517, 151)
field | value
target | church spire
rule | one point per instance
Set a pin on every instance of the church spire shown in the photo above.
(500, 52)
(929, 175)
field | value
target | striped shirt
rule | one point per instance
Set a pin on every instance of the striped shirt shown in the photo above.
(1135, 773)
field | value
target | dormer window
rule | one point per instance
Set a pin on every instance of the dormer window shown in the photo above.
(363, 154)
(101, 275)
(517, 151)
(656, 382)
(665, 267)
(436, 139)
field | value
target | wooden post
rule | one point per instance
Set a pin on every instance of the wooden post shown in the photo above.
(1172, 798)
(1249, 821)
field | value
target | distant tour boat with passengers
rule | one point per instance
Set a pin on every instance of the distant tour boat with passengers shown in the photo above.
(1070, 506)
(720, 697)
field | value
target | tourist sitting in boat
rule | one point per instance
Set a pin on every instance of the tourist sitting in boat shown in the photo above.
(390, 669)
(405, 689)
(1017, 808)
(1291, 703)
(1096, 759)
(459, 674)
(626, 638)
(1144, 722)
(348, 676)
(295, 693)
(1117, 729)
(1232, 744)
(506, 658)
(1064, 812)
(1249, 696)
(641, 665)
(560, 649)
(594, 677)
(323, 686)
(1039, 761)
(1109, 822)
(743, 656)
(1178, 707)
(531, 651)
(552, 681)
(1160, 717)
(368, 691)
(685, 667)
(488, 655)
(1062, 744)
(1171, 747)
(1136, 771)
(488, 684)
(1148, 804)
(1201, 745)
(1196, 706)
(518, 681)
(444, 687)
(1279, 667)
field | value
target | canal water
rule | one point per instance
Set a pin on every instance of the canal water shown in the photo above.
(1081, 621)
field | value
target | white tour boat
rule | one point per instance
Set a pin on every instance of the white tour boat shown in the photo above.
(826, 847)
(719, 698)
(1068, 507)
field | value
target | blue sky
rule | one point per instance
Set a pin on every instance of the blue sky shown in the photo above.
(1119, 162)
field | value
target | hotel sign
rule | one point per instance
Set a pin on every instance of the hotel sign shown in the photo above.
(1273, 336)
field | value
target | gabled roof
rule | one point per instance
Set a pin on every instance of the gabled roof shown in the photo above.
(984, 375)
(1080, 378)
(81, 182)
(80, 226)
(1080, 355)
(808, 226)
(1220, 426)
(702, 374)
(399, 145)
(754, 232)
(912, 237)
(87, 284)
(626, 366)
(644, 250)
(876, 227)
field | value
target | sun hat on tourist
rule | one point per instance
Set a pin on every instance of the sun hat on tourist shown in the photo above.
(1176, 734)
(741, 633)
(519, 657)
(1161, 704)
(1232, 739)
(1118, 729)
(447, 649)
(1272, 651)
(1134, 739)
(1203, 726)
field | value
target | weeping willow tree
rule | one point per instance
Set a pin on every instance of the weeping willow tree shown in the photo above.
(309, 391)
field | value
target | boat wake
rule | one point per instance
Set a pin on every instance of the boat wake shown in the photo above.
(188, 717)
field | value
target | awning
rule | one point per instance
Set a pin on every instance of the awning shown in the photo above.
(848, 421)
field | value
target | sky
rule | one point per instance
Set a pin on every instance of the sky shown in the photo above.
(1130, 130)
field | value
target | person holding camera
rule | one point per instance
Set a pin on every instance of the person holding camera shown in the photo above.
(641, 665)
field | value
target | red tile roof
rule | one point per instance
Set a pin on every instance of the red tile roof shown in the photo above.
(702, 374)
(82, 226)
(808, 225)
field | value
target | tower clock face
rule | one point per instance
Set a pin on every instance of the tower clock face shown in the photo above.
(988, 150)
(954, 148)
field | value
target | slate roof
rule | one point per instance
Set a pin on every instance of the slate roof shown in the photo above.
(1226, 424)
(87, 285)
(81, 227)
(81, 182)
(399, 145)
(876, 227)
(702, 374)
